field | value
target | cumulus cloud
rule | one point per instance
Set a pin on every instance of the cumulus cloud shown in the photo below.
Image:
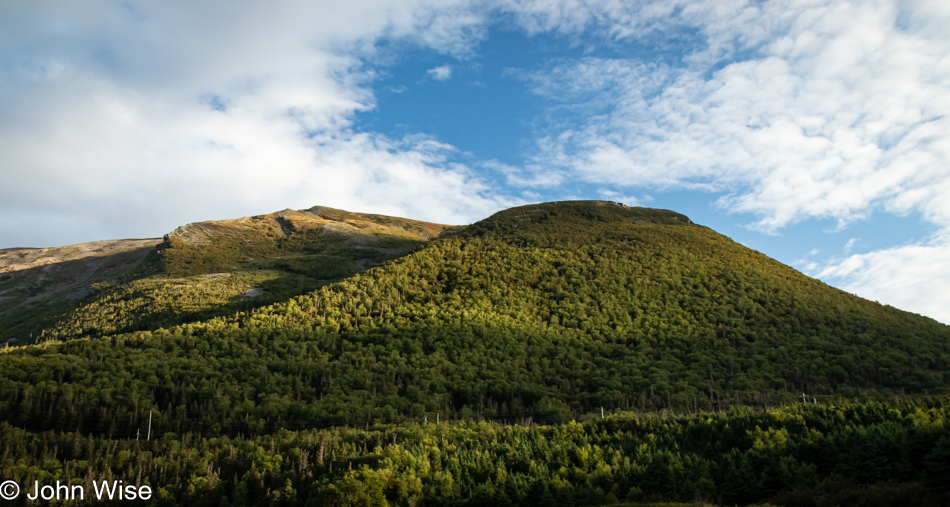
(129, 119)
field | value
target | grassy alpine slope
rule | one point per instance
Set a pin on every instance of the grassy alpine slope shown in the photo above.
(197, 272)
(543, 312)
(38, 285)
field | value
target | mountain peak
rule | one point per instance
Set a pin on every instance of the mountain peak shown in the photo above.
(567, 216)
(204, 247)
(601, 211)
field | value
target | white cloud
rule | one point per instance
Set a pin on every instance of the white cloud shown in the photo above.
(613, 195)
(440, 73)
(794, 110)
(130, 119)
(533, 176)
(910, 277)
(850, 244)
(834, 110)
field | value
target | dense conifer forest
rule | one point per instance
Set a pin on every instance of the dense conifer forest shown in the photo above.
(520, 331)
(814, 455)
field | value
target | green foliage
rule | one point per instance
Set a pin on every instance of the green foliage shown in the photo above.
(621, 315)
(164, 301)
(536, 315)
(34, 299)
(286, 254)
(937, 467)
(646, 459)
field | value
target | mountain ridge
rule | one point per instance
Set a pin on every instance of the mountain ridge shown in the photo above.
(42, 288)
(545, 310)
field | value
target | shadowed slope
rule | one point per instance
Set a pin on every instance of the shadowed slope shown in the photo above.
(37, 283)
(198, 271)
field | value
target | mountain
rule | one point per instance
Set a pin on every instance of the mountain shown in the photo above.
(542, 311)
(198, 271)
(540, 314)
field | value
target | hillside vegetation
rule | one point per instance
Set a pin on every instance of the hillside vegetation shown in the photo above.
(198, 271)
(545, 311)
(866, 454)
(538, 314)
(38, 285)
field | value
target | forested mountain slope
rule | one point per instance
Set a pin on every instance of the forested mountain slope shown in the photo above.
(542, 312)
(538, 314)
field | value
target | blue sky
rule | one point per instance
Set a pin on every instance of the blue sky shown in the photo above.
(814, 131)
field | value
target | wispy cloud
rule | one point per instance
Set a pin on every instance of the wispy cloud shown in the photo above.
(440, 73)
(834, 114)
(850, 244)
(532, 176)
(791, 110)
